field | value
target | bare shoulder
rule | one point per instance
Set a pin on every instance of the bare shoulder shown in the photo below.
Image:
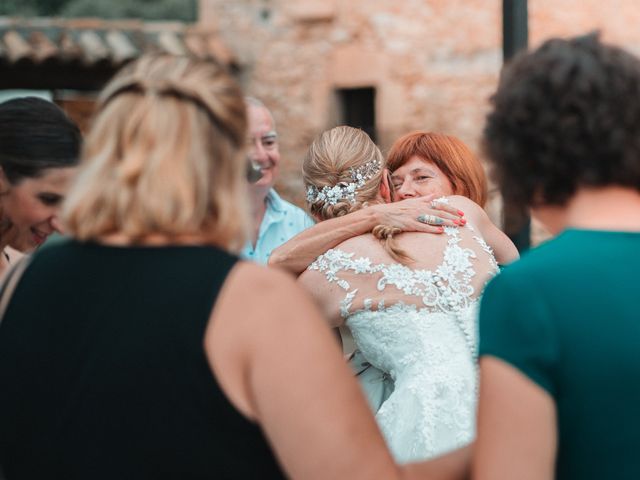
(470, 208)
(252, 284)
(246, 271)
(474, 213)
(254, 295)
(360, 243)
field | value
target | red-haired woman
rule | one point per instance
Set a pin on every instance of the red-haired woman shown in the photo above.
(423, 167)
(425, 163)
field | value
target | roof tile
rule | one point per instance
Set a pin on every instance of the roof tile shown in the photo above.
(91, 41)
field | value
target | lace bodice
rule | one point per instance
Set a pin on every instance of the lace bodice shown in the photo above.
(447, 289)
(418, 324)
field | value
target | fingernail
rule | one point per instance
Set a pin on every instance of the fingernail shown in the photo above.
(440, 229)
(461, 213)
(463, 221)
(457, 222)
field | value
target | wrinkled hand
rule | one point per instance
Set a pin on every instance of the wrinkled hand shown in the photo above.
(404, 214)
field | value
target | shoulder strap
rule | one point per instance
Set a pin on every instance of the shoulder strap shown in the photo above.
(10, 282)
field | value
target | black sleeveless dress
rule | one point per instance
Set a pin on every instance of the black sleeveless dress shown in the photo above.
(103, 373)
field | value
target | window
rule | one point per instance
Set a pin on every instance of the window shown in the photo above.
(357, 109)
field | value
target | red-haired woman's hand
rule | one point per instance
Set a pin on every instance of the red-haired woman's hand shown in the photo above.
(420, 214)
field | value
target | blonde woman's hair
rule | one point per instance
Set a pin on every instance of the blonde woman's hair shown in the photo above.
(165, 156)
(331, 160)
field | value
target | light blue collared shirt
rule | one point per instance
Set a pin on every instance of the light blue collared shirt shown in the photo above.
(282, 221)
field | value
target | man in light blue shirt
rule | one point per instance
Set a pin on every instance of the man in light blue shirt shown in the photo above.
(275, 220)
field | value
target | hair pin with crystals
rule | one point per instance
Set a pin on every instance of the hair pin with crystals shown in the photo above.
(345, 190)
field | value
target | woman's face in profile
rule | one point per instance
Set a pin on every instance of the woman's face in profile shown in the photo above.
(30, 207)
(419, 177)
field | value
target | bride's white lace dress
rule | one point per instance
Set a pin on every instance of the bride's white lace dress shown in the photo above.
(419, 326)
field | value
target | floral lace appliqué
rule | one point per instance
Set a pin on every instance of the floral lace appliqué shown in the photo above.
(447, 288)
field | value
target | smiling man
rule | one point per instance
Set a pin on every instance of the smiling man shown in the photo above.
(275, 220)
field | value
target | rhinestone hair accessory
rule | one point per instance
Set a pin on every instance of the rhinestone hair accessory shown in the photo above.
(345, 190)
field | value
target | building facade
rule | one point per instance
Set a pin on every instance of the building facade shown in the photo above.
(390, 66)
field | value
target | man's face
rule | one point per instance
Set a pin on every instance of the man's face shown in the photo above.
(263, 145)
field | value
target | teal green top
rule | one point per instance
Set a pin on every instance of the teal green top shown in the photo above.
(566, 315)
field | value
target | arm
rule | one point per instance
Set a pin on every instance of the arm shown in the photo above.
(516, 426)
(327, 295)
(278, 364)
(301, 250)
(450, 466)
(503, 248)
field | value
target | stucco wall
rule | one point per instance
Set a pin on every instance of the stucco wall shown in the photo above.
(434, 63)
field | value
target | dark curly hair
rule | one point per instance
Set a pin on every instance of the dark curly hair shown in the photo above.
(565, 116)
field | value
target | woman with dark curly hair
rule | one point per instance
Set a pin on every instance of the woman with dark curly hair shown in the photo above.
(559, 330)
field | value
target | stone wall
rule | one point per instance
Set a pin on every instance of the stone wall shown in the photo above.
(433, 63)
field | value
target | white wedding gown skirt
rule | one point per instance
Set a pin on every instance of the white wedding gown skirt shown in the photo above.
(432, 408)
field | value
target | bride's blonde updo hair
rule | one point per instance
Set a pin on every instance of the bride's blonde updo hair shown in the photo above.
(165, 156)
(342, 173)
(331, 160)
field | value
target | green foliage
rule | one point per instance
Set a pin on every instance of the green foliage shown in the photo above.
(49, 7)
(184, 10)
(20, 8)
(147, 9)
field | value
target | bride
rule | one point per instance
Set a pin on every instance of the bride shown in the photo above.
(409, 299)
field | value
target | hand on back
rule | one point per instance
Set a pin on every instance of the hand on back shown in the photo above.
(404, 214)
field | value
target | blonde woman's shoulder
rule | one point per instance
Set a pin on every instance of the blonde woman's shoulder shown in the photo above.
(257, 289)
